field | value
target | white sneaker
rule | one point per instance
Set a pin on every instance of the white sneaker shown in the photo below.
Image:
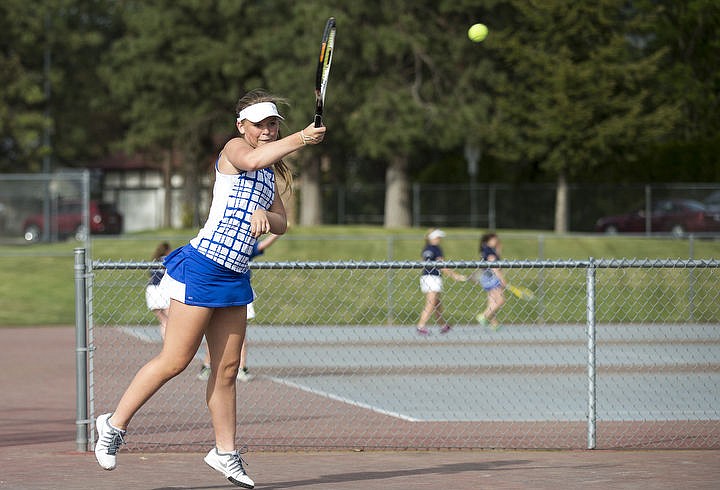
(244, 376)
(230, 465)
(108, 442)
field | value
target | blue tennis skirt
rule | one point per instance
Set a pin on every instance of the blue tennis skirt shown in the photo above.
(196, 280)
(489, 281)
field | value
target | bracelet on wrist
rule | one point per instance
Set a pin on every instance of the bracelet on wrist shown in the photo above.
(305, 138)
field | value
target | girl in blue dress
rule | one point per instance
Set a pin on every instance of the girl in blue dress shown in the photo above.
(492, 281)
(208, 280)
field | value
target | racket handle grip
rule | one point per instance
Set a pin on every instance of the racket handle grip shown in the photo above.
(318, 120)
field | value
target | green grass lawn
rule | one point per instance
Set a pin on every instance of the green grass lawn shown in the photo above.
(36, 282)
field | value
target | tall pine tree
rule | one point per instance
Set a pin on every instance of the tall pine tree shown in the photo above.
(579, 86)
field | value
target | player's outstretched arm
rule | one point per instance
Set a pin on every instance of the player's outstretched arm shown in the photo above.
(242, 156)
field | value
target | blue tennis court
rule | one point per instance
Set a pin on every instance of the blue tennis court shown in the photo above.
(518, 374)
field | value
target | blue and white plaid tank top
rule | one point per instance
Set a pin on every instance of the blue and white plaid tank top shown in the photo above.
(226, 238)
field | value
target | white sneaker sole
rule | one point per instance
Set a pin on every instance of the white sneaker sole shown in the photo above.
(211, 463)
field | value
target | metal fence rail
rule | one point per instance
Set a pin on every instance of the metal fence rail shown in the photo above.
(608, 354)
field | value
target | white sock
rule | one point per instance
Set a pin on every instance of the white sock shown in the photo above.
(122, 431)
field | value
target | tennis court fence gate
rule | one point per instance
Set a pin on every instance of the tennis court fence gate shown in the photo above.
(608, 354)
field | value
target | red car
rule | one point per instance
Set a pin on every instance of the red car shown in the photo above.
(66, 221)
(676, 216)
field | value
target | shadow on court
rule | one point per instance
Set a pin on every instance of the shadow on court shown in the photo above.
(37, 448)
(446, 470)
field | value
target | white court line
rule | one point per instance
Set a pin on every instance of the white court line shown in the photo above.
(344, 400)
(149, 335)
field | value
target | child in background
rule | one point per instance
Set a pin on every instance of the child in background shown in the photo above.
(157, 301)
(431, 282)
(492, 281)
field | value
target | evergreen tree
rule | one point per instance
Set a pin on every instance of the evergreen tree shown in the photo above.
(23, 101)
(175, 75)
(48, 67)
(579, 86)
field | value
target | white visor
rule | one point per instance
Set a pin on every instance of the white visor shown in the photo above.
(257, 112)
(436, 234)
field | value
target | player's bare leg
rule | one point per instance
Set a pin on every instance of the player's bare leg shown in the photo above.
(225, 337)
(496, 299)
(183, 334)
(432, 302)
(439, 310)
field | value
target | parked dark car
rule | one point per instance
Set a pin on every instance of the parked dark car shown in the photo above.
(67, 221)
(676, 216)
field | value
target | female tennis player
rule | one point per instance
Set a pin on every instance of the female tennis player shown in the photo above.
(431, 283)
(492, 281)
(208, 281)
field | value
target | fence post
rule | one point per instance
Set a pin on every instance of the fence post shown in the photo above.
(81, 402)
(86, 207)
(592, 396)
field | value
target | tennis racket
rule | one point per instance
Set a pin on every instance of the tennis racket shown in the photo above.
(520, 292)
(327, 47)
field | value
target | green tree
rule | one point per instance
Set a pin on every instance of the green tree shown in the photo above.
(287, 34)
(580, 79)
(410, 82)
(689, 32)
(175, 75)
(84, 123)
(392, 80)
(22, 100)
(557, 90)
(51, 87)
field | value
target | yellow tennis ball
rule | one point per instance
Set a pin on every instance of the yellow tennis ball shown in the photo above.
(477, 32)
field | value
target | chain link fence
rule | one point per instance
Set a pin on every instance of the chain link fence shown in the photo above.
(520, 206)
(44, 207)
(608, 354)
(141, 198)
